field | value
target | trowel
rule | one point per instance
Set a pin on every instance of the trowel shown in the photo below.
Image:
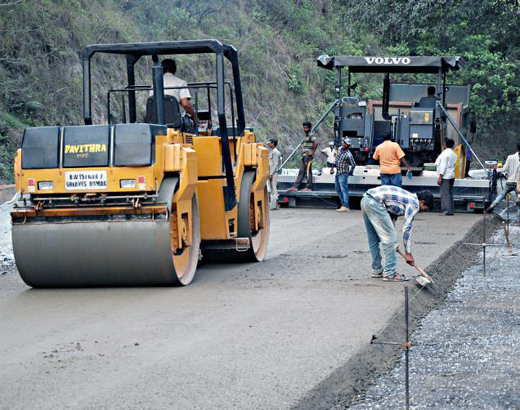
(424, 279)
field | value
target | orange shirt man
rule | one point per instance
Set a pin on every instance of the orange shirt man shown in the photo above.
(389, 154)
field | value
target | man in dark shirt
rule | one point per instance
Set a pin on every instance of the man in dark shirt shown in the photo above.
(310, 143)
(430, 100)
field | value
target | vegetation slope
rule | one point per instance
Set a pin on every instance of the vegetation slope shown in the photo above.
(278, 42)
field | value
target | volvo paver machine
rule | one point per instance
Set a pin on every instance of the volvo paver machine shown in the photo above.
(420, 125)
(416, 123)
(135, 204)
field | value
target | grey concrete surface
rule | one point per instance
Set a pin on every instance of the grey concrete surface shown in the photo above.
(466, 351)
(6, 193)
(255, 336)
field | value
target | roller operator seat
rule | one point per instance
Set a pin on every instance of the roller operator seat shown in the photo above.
(172, 113)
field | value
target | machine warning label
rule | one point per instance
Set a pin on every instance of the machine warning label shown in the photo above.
(85, 180)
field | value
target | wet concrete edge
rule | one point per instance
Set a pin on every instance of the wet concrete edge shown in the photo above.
(340, 388)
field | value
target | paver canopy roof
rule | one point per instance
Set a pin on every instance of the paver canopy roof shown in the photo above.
(376, 64)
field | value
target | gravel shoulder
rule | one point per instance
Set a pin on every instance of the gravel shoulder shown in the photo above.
(466, 351)
(267, 335)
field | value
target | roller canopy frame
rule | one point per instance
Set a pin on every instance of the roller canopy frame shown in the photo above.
(134, 51)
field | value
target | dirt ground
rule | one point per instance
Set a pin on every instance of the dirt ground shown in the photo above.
(293, 331)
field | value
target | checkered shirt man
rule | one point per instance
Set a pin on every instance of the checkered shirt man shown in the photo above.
(398, 202)
(344, 162)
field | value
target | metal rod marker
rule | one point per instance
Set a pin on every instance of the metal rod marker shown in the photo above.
(407, 351)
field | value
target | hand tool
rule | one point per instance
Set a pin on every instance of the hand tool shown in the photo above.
(424, 279)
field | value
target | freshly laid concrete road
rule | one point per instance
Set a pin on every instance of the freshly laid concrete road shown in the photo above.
(240, 336)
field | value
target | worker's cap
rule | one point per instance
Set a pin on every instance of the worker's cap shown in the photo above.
(331, 143)
(347, 141)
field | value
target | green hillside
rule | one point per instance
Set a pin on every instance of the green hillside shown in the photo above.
(278, 42)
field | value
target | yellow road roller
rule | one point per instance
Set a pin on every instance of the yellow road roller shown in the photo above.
(133, 201)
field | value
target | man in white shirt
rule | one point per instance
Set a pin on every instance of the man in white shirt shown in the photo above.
(512, 170)
(446, 169)
(182, 95)
(330, 153)
(518, 183)
(274, 164)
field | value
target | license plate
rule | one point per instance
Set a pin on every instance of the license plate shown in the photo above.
(85, 180)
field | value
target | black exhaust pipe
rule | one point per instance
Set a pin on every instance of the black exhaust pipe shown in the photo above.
(386, 97)
(158, 89)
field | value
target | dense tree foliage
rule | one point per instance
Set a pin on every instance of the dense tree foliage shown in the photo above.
(278, 41)
(485, 32)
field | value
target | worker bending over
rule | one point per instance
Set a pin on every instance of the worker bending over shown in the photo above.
(379, 205)
(512, 170)
(446, 163)
(390, 155)
(309, 145)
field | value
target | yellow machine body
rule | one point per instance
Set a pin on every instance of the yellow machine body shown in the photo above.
(198, 166)
(460, 166)
(216, 223)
